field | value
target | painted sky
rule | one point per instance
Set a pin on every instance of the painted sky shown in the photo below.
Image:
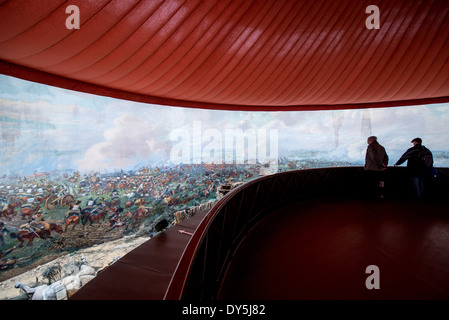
(45, 128)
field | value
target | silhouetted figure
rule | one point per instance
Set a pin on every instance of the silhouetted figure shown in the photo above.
(419, 162)
(376, 161)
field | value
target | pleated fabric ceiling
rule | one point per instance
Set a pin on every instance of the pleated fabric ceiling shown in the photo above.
(234, 54)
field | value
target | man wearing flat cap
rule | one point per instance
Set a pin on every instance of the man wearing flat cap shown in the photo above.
(419, 161)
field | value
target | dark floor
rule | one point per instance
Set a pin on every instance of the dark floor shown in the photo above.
(320, 249)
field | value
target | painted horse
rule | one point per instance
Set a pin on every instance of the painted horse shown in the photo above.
(71, 218)
(133, 217)
(97, 216)
(137, 215)
(93, 215)
(8, 211)
(28, 234)
(139, 202)
(27, 211)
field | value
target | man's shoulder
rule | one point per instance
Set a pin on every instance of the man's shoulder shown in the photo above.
(425, 153)
(376, 146)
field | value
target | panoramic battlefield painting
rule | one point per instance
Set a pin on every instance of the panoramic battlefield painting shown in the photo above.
(77, 169)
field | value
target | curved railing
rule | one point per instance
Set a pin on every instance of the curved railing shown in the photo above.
(204, 262)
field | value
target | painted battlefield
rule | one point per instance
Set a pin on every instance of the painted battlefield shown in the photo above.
(49, 214)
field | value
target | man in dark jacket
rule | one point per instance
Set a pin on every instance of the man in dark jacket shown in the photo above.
(419, 161)
(376, 161)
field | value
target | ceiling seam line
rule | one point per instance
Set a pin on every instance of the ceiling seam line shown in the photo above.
(224, 36)
(408, 66)
(292, 55)
(394, 51)
(327, 42)
(261, 47)
(242, 43)
(117, 46)
(56, 43)
(143, 47)
(186, 18)
(365, 54)
(279, 43)
(290, 75)
(154, 79)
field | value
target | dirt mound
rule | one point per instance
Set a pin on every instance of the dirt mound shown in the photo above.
(43, 251)
(98, 256)
(89, 235)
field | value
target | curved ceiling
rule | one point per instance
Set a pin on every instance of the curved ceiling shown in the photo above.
(234, 54)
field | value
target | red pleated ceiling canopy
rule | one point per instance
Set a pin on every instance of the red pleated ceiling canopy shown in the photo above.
(234, 54)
